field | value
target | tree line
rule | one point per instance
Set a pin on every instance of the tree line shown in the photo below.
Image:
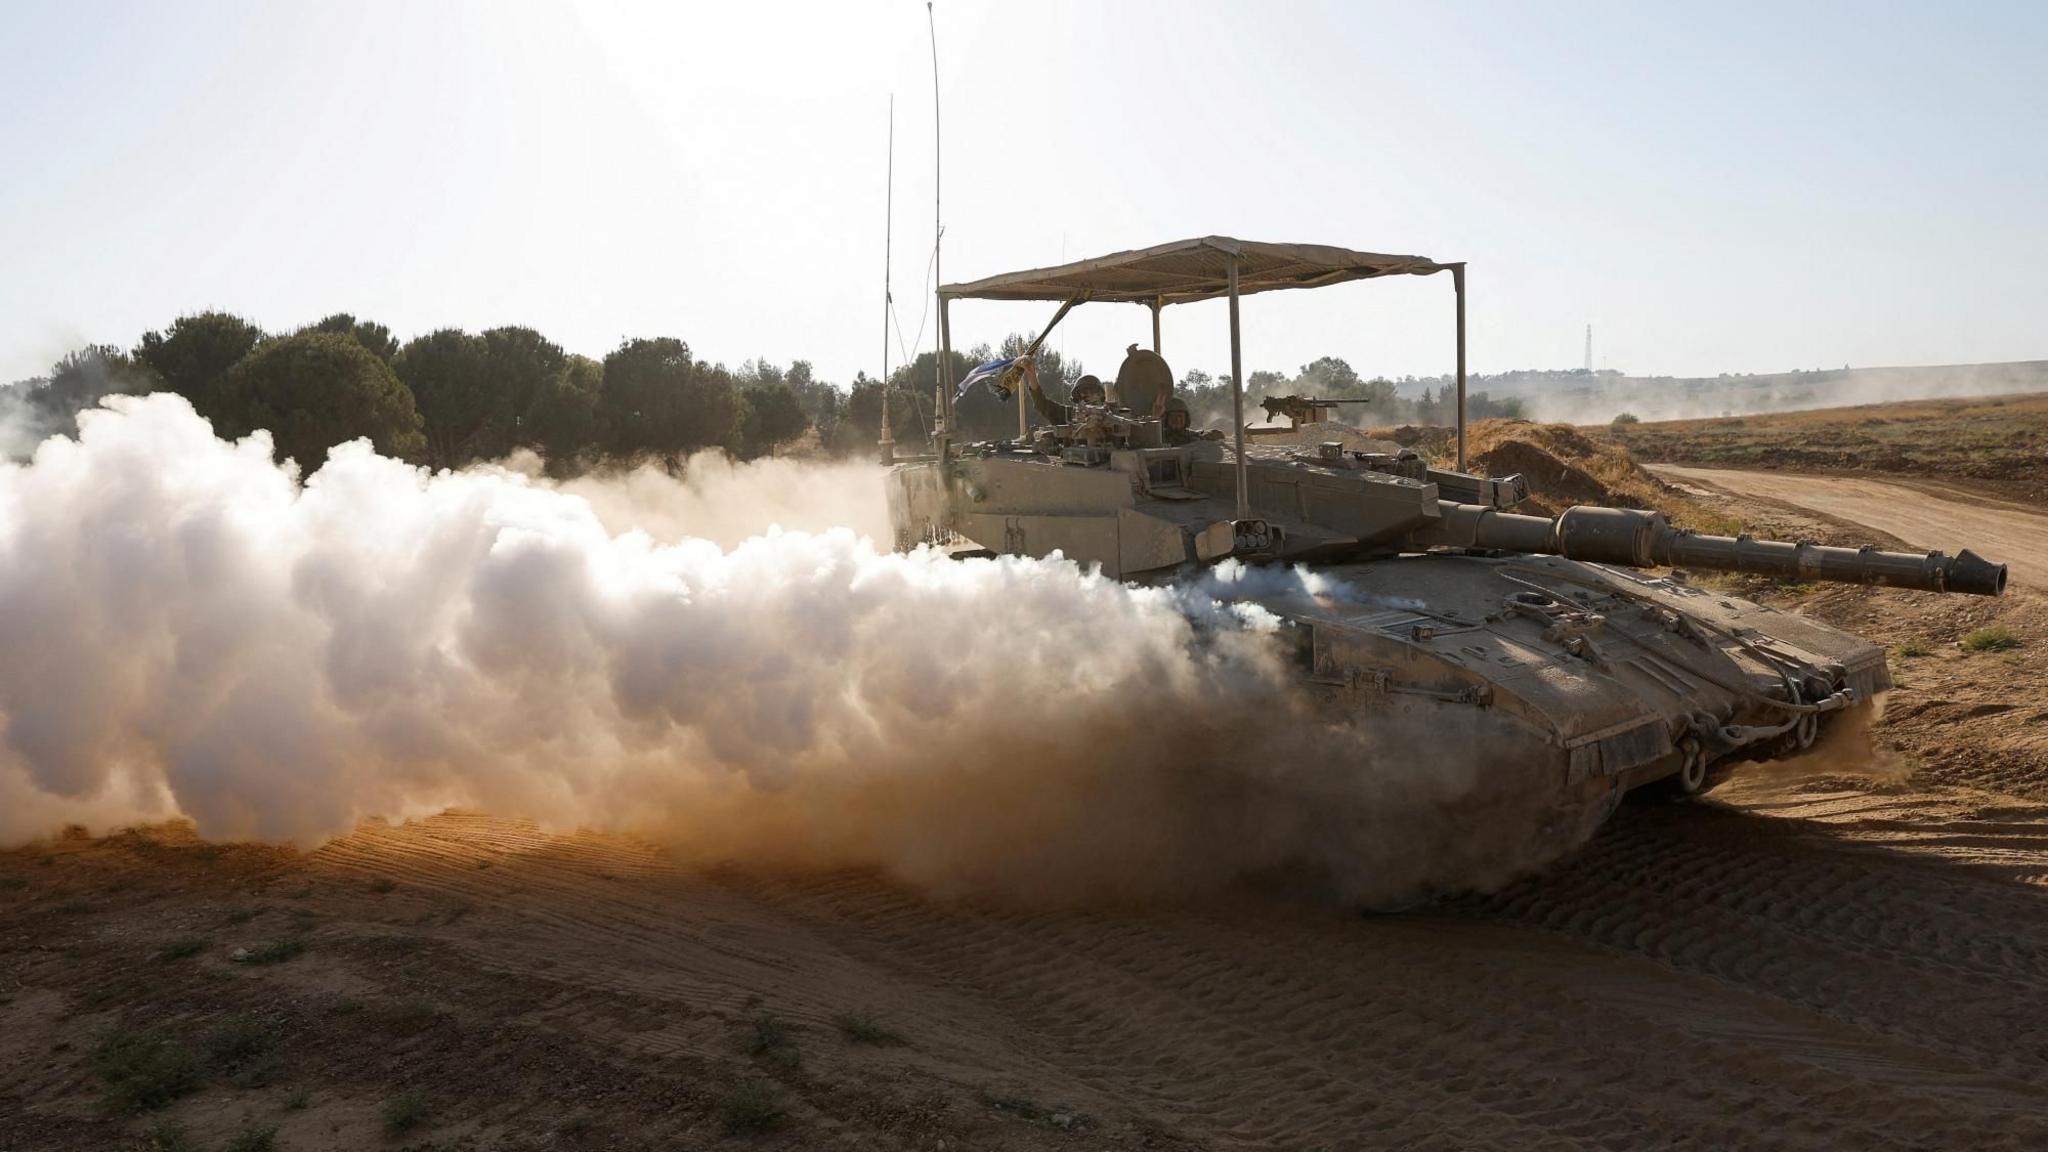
(451, 398)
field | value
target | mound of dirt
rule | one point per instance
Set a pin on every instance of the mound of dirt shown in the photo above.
(1563, 465)
(1560, 482)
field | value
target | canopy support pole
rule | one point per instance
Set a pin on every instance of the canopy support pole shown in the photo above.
(888, 444)
(1237, 392)
(943, 374)
(1155, 325)
(1458, 286)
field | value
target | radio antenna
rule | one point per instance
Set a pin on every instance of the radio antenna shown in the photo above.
(940, 369)
(888, 237)
(888, 443)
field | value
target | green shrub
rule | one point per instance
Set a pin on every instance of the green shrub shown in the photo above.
(403, 1113)
(408, 1017)
(862, 1028)
(144, 1071)
(751, 1107)
(1018, 1106)
(277, 951)
(169, 1136)
(238, 1044)
(253, 1140)
(774, 1041)
(183, 948)
(1996, 638)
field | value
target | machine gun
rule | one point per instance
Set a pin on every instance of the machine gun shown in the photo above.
(1304, 409)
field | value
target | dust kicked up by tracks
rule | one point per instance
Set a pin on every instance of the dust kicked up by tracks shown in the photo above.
(281, 661)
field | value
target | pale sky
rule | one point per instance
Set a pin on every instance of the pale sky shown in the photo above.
(1723, 187)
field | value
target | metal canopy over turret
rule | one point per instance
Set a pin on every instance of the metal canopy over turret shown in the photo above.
(1189, 270)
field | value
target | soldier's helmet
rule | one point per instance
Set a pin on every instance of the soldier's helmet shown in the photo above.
(1088, 390)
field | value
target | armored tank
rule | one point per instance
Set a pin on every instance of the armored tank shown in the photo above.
(1582, 638)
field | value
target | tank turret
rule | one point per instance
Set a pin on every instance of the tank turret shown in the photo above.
(1107, 491)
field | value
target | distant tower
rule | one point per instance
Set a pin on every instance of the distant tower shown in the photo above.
(1589, 348)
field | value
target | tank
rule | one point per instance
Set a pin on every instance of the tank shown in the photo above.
(1583, 636)
(1582, 640)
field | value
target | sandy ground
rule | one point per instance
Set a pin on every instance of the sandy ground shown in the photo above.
(1845, 952)
(1700, 977)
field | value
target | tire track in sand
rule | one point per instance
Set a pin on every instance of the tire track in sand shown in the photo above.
(1696, 978)
(1933, 956)
(1428, 1027)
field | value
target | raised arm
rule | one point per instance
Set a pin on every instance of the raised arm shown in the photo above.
(1053, 411)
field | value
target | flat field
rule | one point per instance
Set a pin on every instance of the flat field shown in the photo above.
(1999, 442)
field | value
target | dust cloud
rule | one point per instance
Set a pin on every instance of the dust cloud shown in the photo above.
(725, 502)
(1563, 398)
(1849, 749)
(190, 631)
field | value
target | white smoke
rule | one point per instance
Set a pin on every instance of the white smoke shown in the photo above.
(188, 630)
(23, 424)
(724, 502)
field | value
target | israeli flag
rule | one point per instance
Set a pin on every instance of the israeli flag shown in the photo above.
(1000, 375)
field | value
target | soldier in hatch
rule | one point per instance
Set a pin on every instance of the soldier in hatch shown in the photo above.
(1176, 430)
(1087, 390)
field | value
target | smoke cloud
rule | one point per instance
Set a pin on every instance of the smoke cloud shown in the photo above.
(22, 427)
(1579, 399)
(190, 631)
(724, 502)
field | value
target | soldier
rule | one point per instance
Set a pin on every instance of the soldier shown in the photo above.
(1086, 390)
(1176, 429)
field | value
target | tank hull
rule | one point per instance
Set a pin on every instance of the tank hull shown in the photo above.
(1599, 680)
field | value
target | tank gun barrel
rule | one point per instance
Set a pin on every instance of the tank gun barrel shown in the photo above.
(1639, 539)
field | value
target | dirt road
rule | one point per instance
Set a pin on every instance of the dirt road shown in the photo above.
(1929, 515)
